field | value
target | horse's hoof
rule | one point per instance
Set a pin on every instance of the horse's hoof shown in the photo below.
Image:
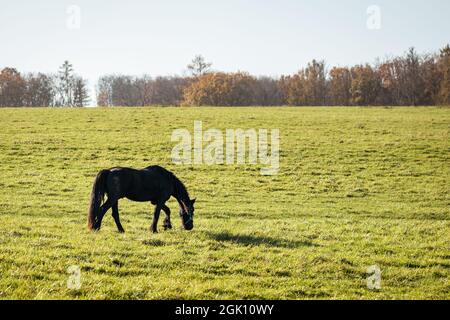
(167, 226)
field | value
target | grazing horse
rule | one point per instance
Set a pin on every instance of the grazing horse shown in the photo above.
(154, 184)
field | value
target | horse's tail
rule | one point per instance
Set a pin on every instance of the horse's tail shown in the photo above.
(97, 197)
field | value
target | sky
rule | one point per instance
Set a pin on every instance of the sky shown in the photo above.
(263, 37)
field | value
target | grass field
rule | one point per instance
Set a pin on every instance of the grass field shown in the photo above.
(357, 187)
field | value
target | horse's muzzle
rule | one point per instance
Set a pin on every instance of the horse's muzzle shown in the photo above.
(189, 226)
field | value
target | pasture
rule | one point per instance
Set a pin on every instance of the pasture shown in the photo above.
(357, 187)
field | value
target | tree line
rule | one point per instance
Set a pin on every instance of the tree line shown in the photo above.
(407, 80)
(62, 89)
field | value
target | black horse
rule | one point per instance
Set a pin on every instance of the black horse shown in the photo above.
(154, 184)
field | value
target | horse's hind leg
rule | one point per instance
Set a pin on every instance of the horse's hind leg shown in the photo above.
(103, 209)
(156, 217)
(167, 224)
(115, 214)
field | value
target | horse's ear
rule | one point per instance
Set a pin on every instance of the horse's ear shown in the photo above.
(193, 201)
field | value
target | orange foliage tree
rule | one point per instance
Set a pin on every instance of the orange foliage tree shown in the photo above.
(221, 89)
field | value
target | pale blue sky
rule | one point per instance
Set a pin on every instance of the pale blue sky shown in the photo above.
(259, 36)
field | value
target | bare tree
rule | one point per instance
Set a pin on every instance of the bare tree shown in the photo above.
(267, 92)
(444, 70)
(412, 81)
(39, 90)
(145, 90)
(105, 91)
(199, 66)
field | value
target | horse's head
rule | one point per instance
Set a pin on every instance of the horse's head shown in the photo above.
(97, 223)
(187, 214)
(94, 221)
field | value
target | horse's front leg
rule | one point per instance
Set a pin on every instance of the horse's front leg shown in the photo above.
(167, 224)
(156, 217)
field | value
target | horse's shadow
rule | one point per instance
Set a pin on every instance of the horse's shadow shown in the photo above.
(253, 240)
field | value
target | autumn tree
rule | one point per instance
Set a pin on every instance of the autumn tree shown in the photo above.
(221, 89)
(340, 83)
(389, 72)
(315, 83)
(365, 85)
(293, 89)
(12, 88)
(307, 87)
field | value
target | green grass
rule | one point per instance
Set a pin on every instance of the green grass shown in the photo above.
(357, 187)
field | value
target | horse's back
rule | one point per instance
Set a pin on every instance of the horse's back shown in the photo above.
(148, 184)
(120, 179)
(154, 172)
(158, 170)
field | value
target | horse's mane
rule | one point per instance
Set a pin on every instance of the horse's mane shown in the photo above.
(180, 189)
